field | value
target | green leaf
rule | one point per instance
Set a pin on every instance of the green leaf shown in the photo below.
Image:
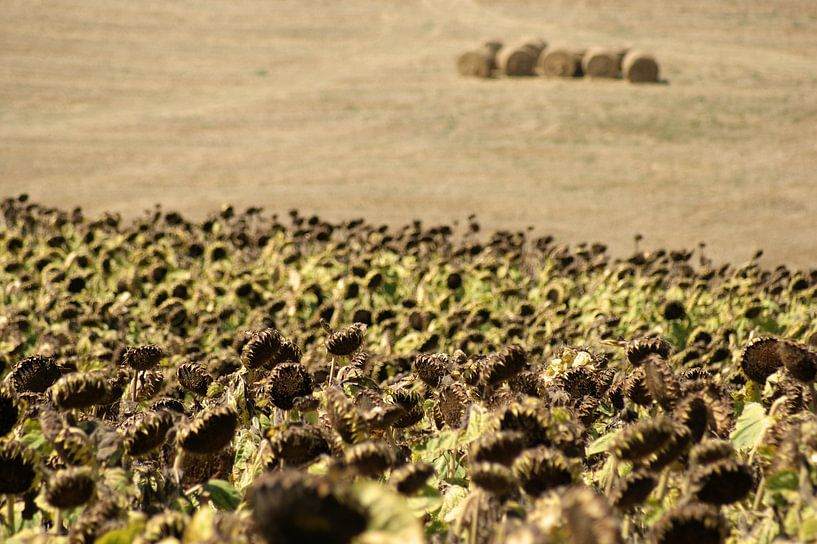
(785, 480)
(599, 445)
(223, 494)
(124, 535)
(392, 521)
(750, 427)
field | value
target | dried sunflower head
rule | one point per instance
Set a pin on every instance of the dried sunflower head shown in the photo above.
(635, 388)
(541, 469)
(503, 365)
(694, 413)
(344, 417)
(147, 433)
(638, 350)
(36, 374)
(643, 439)
(296, 446)
(661, 383)
(70, 487)
(800, 361)
(9, 410)
(289, 352)
(210, 431)
(143, 357)
(410, 478)
(588, 517)
(18, 470)
(261, 349)
(346, 340)
(494, 478)
(529, 418)
(73, 446)
(194, 377)
(711, 451)
(149, 384)
(291, 506)
(431, 367)
(497, 447)
(79, 390)
(286, 382)
(699, 523)
(370, 458)
(761, 358)
(95, 521)
(722, 482)
(632, 490)
(453, 402)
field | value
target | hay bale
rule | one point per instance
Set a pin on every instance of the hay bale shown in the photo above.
(639, 67)
(602, 62)
(521, 59)
(560, 62)
(480, 62)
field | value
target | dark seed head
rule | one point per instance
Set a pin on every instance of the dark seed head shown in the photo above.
(9, 410)
(288, 381)
(147, 433)
(693, 412)
(143, 357)
(633, 490)
(17, 469)
(70, 487)
(643, 439)
(638, 350)
(80, 390)
(194, 377)
(211, 431)
(410, 478)
(165, 525)
(290, 506)
(698, 523)
(36, 373)
(370, 458)
(542, 469)
(800, 361)
(297, 446)
(493, 477)
(635, 388)
(711, 451)
(261, 349)
(722, 482)
(452, 403)
(761, 359)
(431, 367)
(500, 447)
(345, 341)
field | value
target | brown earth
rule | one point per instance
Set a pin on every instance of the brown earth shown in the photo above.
(352, 108)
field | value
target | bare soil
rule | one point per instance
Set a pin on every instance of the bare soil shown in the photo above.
(354, 108)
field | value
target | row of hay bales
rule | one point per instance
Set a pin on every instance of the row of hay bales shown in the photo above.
(534, 57)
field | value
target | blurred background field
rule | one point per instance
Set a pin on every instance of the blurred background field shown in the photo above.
(354, 109)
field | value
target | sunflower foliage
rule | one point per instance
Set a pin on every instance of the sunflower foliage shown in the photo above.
(255, 378)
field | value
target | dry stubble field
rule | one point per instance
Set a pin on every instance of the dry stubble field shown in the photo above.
(354, 109)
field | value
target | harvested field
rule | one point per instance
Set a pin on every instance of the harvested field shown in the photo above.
(354, 109)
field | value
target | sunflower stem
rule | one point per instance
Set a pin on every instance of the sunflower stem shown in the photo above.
(761, 490)
(133, 386)
(58, 521)
(331, 371)
(613, 473)
(10, 513)
(663, 484)
(177, 468)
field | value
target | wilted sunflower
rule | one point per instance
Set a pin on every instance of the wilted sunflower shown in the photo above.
(452, 403)
(165, 525)
(638, 350)
(346, 340)
(501, 447)
(344, 417)
(297, 445)
(147, 433)
(635, 388)
(291, 506)
(529, 418)
(411, 477)
(370, 458)
(698, 523)
(210, 431)
(800, 360)
(661, 382)
(79, 390)
(70, 487)
(9, 410)
(431, 367)
(194, 377)
(694, 413)
(36, 373)
(711, 451)
(494, 478)
(143, 357)
(286, 382)
(261, 348)
(722, 482)
(17, 468)
(542, 469)
(761, 358)
(643, 439)
(632, 490)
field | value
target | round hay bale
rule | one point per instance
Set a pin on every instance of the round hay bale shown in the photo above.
(560, 62)
(519, 60)
(479, 62)
(601, 62)
(639, 67)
